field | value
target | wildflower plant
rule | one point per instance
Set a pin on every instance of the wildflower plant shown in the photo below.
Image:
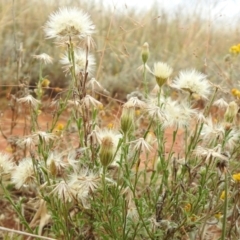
(166, 169)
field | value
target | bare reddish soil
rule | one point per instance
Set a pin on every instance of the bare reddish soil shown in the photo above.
(22, 126)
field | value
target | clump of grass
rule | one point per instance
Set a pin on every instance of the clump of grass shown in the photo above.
(125, 179)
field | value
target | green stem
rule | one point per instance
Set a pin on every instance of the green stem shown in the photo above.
(145, 81)
(104, 186)
(72, 61)
(159, 96)
(207, 109)
(224, 224)
(16, 208)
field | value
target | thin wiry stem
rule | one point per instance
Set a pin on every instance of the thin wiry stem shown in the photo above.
(104, 48)
(224, 224)
(24, 233)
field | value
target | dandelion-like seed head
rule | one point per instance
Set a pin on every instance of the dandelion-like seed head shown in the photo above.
(90, 102)
(30, 100)
(162, 72)
(45, 58)
(80, 62)
(141, 145)
(212, 130)
(233, 138)
(6, 164)
(62, 191)
(82, 184)
(220, 103)
(134, 102)
(55, 163)
(194, 82)
(85, 179)
(208, 153)
(177, 114)
(27, 141)
(44, 136)
(23, 173)
(155, 112)
(93, 84)
(67, 23)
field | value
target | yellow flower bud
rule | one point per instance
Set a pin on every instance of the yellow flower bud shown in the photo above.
(45, 83)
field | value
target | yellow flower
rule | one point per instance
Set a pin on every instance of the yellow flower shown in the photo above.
(60, 126)
(188, 207)
(218, 215)
(45, 83)
(58, 129)
(235, 93)
(222, 197)
(236, 177)
(137, 112)
(110, 126)
(234, 49)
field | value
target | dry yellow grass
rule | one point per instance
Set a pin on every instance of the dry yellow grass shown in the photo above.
(182, 41)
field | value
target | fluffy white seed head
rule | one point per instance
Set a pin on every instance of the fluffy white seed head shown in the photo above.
(80, 62)
(68, 22)
(6, 164)
(23, 174)
(194, 82)
(45, 58)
